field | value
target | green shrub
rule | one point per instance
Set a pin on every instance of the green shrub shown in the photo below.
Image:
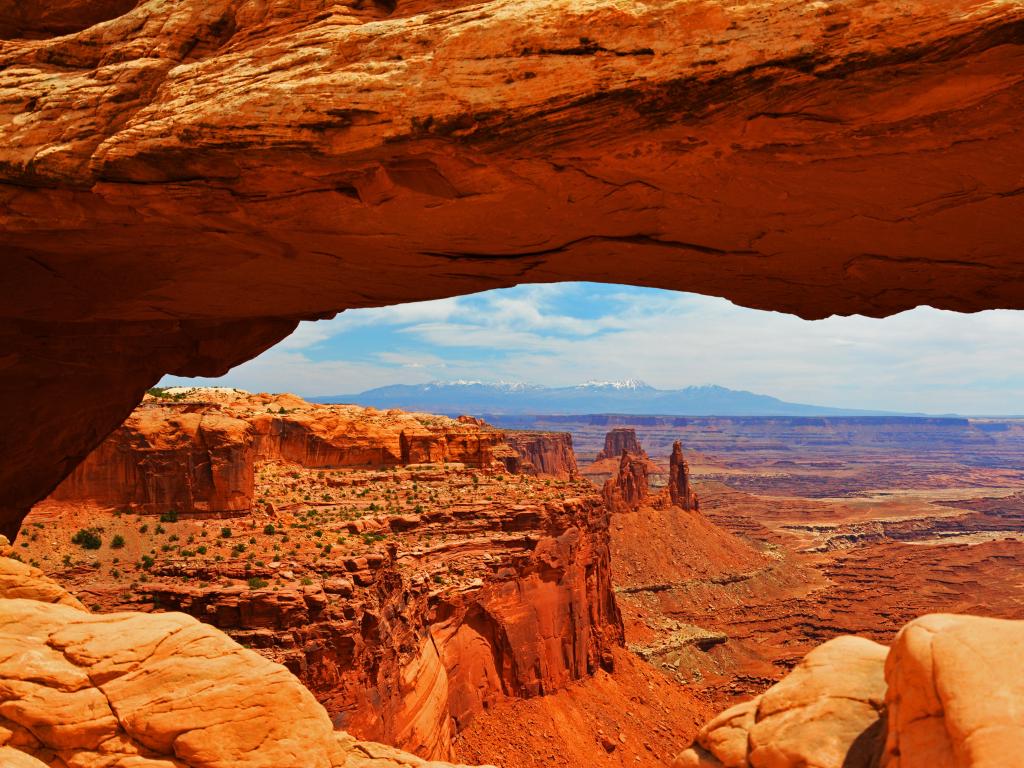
(170, 516)
(87, 538)
(257, 583)
(269, 529)
(117, 542)
(225, 533)
(147, 562)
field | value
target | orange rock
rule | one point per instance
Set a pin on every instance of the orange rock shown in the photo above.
(955, 691)
(155, 691)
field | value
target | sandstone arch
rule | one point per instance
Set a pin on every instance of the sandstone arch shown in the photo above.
(181, 183)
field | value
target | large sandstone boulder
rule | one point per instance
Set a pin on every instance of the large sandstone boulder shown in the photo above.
(824, 714)
(136, 690)
(952, 697)
(956, 694)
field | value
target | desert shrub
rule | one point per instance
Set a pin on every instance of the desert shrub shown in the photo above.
(87, 538)
(117, 542)
(147, 562)
(170, 516)
(225, 533)
(257, 583)
(269, 529)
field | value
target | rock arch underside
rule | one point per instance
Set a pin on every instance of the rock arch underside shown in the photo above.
(182, 182)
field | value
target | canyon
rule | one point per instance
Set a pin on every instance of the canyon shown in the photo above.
(469, 593)
(392, 561)
(180, 184)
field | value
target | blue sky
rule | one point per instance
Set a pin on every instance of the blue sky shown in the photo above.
(566, 333)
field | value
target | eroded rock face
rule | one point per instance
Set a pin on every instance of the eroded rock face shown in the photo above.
(181, 182)
(955, 692)
(189, 458)
(680, 492)
(619, 440)
(545, 454)
(151, 691)
(389, 559)
(628, 489)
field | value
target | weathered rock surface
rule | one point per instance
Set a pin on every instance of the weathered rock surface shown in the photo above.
(389, 559)
(198, 456)
(955, 692)
(629, 488)
(181, 182)
(619, 440)
(680, 492)
(945, 696)
(545, 454)
(824, 714)
(187, 458)
(153, 691)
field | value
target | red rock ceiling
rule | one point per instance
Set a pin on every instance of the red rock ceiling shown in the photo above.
(181, 182)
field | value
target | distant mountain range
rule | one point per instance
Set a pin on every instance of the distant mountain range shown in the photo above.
(624, 397)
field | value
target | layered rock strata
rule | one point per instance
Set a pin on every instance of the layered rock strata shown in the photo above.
(188, 454)
(151, 691)
(618, 441)
(390, 560)
(180, 183)
(546, 454)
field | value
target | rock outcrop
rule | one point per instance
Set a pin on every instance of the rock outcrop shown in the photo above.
(934, 699)
(618, 441)
(629, 488)
(197, 456)
(680, 493)
(180, 183)
(544, 454)
(170, 458)
(152, 691)
(388, 559)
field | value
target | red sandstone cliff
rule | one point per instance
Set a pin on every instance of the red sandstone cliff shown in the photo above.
(548, 454)
(629, 488)
(680, 493)
(618, 440)
(407, 577)
(186, 458)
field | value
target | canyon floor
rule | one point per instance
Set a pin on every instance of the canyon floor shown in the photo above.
(794, 544)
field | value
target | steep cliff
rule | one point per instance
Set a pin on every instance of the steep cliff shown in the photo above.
(187, 458)
(388, 559)
(680, 493)
(547, 454)
(180, 183)
(619, 440)
(150, 690)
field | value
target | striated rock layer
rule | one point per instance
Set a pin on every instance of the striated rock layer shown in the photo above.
(151, 691)
(181, 182)
(388, 559)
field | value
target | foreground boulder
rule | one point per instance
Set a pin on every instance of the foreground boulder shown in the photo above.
(152, 691)
(947, 695)
(814, 718)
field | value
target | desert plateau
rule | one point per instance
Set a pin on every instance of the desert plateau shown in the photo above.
(681, 343)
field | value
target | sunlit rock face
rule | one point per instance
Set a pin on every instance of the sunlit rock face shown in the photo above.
(181, 182)
(852, 703)
(151, 690)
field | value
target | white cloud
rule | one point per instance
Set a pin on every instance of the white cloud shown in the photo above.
(921, 360)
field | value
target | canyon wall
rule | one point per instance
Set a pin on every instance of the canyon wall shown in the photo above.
(189, 458)
(199, 456)
(619, 440)
(181, 183)
(151, 690)
(390, 560)
(547, 454)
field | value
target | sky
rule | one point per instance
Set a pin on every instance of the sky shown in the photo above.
(923, 360)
